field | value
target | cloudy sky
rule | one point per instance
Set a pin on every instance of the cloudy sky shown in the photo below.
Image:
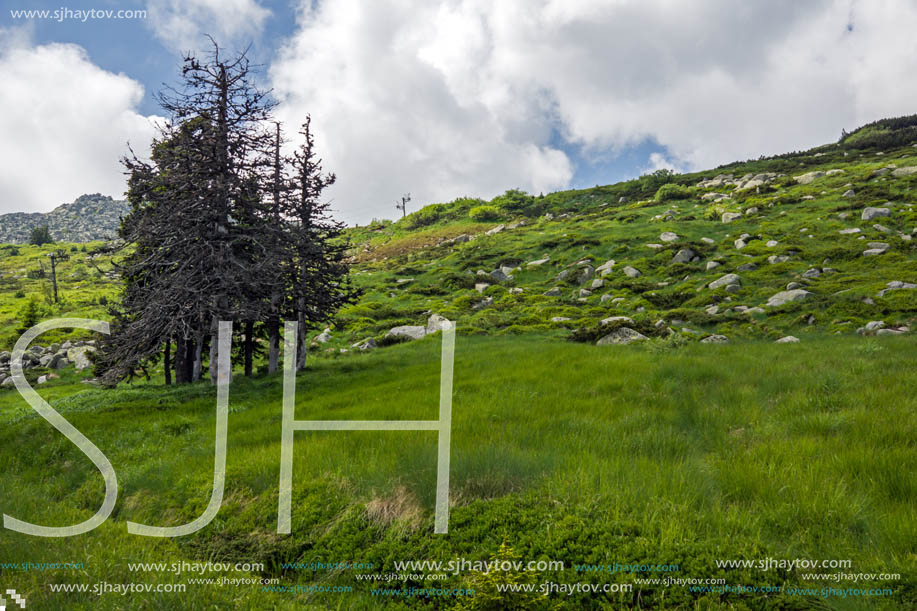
(445, 98)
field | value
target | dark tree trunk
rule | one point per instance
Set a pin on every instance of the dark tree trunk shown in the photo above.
(300, 343)
(197, 358)
(181, 361)
(249, 346)
(273, 354)
(214, 350)
(184, 360)
(189, 360)
(167, 361)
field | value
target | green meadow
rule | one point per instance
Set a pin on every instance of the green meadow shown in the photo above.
(662, 453)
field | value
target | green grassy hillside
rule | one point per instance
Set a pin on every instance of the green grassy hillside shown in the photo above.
(671, 450)
(810, 234)
(84, 289)
(793, 234)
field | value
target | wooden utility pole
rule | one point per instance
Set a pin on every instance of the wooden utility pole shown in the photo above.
(403, 206)
(60, 255)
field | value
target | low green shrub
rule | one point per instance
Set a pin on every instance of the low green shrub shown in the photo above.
(484, 213)
(456, 281)
(390, 340)
(517, 202)
(672, 191)
(428, 215)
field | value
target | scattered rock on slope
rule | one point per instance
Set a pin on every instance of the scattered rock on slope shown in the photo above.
(684, 256)
(435, 323)
(808, 177)
(908, 171)
(80, 356)
(896, 285)
(623, 335)
(612, 319)
(872, 213)
(784, 297)
(407, 332)
(605, 268)
(726, 280)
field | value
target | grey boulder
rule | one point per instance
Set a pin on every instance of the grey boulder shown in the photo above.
(367, 344)
(873, 213)
(622, 335)
(684, 256)
(715, 339)
(436, 323)
(605, 268)
(80, 356)
(407, 332)
(784, 297)
(899, 172)
(725, 281)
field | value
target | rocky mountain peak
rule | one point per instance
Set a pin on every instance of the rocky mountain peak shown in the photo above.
(90, 217)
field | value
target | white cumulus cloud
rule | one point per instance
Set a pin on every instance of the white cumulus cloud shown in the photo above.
(65, 125)
(183, 24)
(400, 103)
(454, 97)
(658, 161)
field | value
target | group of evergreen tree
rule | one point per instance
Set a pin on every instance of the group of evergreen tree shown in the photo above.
(223, 226)
(40, 236)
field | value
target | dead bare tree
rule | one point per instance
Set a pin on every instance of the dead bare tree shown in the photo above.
(196, 258)
(222, 227)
